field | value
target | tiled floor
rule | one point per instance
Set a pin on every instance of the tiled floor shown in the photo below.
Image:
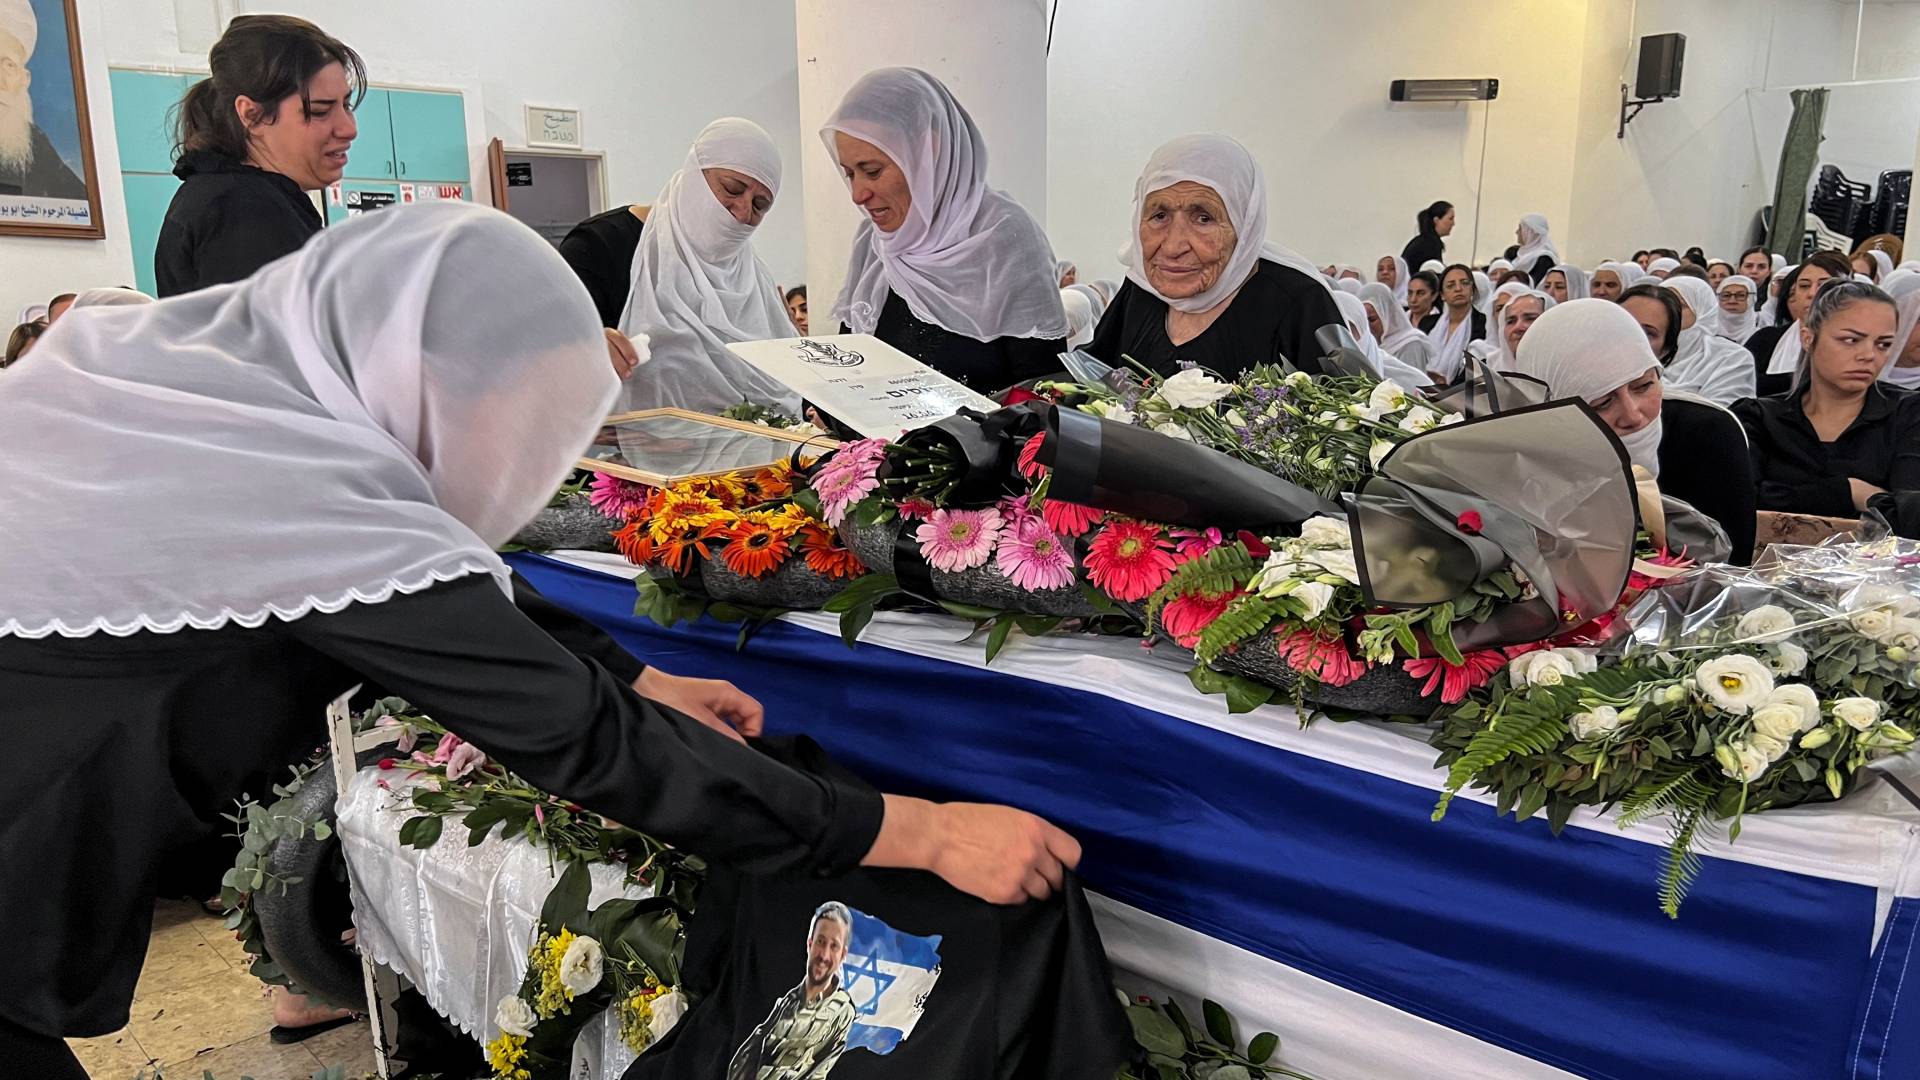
(197, 1010)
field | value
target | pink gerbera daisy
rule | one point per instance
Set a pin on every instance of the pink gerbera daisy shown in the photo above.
(915, 509)
(1129, 559)
(1455, 682)
(1186, 616)
(1029, 463)
(1190, 544)
(1032, 557)
(1324, 658)
(956, 540)
(1069, 519)
(839, 490)
(616, 498)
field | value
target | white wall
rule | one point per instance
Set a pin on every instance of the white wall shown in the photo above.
(646, 74)
(1303, 83)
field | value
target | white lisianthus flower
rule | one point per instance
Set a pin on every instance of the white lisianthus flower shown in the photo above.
(514, 1016)
(1120, 414)
(1314, 596)
(1734, 683)
(1298, 378)
(1343, 425)
(1896, 600)
(1326, 532)
(1356, 409)
(1582, 660)
(1745, 762)
(1173, 431)
(1193, 389)
(1419, 419)
(1766, 624)
(1773, 748)
(1338, 562)
(1235, 419)
(668, 1008)
(1386, 397)
(1805, 702)
(1378, 452)
(1873, 622)
(1543, 668)
(1904, 634)
(582, 966)
(1778, 720)
(1817, 738)
(1588, 726)
(1274, 577)
(1786, 658)
(1857, 713)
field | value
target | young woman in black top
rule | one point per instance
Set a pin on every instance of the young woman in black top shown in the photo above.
(600, 250)
(1776, 348)
(1430, 244)
(1841, 443)
(273, 122)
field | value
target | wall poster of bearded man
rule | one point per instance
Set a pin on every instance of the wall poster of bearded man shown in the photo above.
(47, 182)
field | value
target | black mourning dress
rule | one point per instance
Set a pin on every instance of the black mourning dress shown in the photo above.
(1422, 249)
(115, 746)
(600, 250)
(1273, 318)
(1703, 462)
(1798, 473)
(1761, 344)
(226, 220)
(984, 366)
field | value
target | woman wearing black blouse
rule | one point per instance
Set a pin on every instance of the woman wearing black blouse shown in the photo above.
(1206, 287)
(1841, 442)
(1776, 348)
(1430, 243)
(273, 122)
(327, 455)
(945, 269)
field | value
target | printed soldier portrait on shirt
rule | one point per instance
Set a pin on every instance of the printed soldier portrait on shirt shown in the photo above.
(863, 987)
(47, 180)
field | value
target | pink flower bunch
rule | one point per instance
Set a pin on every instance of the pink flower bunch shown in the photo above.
(851, 474)
(618, 499)
(1326, 659)
(1030, 556)
(1455, 682)
(1069, 519)
(956, 540)
(1185, 617)
(1129, 560)
(459, 756)
(1190, 544)
(408, 736)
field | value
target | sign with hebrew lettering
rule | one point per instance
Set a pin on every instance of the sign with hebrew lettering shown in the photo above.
(861, 381)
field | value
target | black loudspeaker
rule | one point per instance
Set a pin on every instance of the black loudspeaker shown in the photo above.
(1661, 57)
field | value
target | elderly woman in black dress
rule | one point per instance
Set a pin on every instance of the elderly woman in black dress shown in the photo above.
(226, 510)
(1205, 286)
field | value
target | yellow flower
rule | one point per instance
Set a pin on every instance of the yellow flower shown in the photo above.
(553, 998)
(635, 1014)
(504, 1055)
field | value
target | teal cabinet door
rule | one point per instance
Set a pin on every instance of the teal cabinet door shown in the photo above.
(142, 101)
(148, 196)
(371, 155)
(360, 197)
(429, 135)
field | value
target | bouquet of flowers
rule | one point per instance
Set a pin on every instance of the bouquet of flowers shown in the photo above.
(1735, 692)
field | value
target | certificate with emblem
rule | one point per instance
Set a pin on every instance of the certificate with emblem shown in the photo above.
(863, 382)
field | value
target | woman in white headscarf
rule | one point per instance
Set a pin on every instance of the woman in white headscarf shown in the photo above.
(1903, 364)
(697, 284)
(1536, 255)
(944, 268)
(1081, 315)
(114, 296)
(1384, 364)
(1565, 283)
(1718, 270)
(1611, 279)
(1205, 286)
(1461, 320)
(1661, 267)
(1737, 318)
(1700, 360)
(1396, 333)
(1391, 271)
(328, 454)
(1517, 314)
(1595, 351)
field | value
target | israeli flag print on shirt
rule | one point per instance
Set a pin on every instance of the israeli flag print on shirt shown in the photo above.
(889, 975)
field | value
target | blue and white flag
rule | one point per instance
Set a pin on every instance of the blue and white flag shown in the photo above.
(889, 975)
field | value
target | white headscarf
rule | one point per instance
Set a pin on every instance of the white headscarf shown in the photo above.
(1907, 304)
(1770, 304)
(1351, 286)
(697, 285)
(1900, 283)
(968, 259)
(1577, 281)
(1504, 357)
(1483, 292)
(1384, 364)
(1400, 331)
(1221, 163)
(1447, 346)
(367, 416)
(1882, 260)
(1081, 318)
(1495, 305)
(1709, 365)
(1534, 242)
(1400, 276)
(1587, 349)
(1779, 261)
(1433, 266)
(1499, 266)
(110, 297)
(1738, 328)
(1663, 263)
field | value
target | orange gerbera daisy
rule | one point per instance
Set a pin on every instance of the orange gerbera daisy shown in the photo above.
(770, 483)
(634, 542)
(678, 509)
(755, 549)
(677, 550)
(826, 557)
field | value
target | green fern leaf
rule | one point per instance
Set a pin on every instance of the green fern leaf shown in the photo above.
(1246, 616)
(1220, 570)
(1534, 732)
(1674, 786)
(1683, 864)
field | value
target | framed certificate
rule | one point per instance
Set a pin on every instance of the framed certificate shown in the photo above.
(659, 447)
(863, 382)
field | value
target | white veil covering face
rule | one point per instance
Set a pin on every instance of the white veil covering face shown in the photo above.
(1704, 362)
(1534, 242)
(1384, 364)
(372, 414)
(1577, 281)
(1221, 163)
(1587, 349)
(967, 259)
(1738, 328)
(697, 285)
(1908, 306)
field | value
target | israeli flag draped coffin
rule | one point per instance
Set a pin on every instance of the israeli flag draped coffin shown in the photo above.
(889, 975)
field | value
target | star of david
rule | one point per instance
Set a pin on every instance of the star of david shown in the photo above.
(867, 968)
